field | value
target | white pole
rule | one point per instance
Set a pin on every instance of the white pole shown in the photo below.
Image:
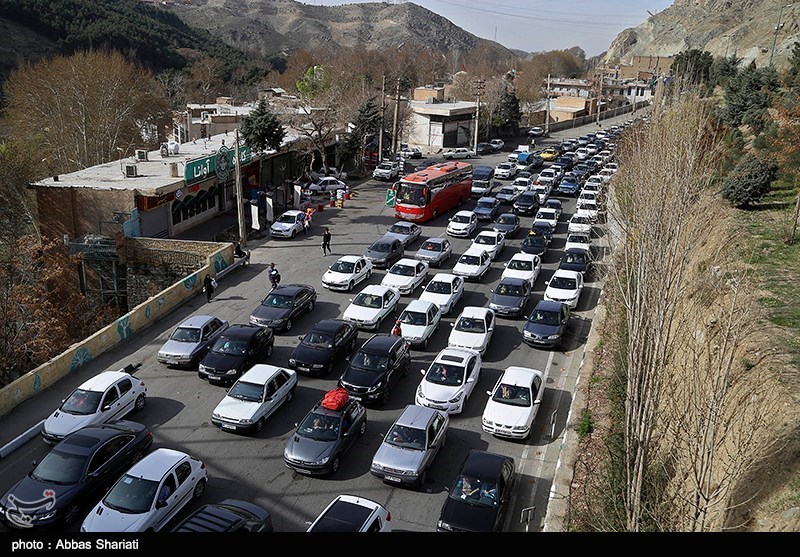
(239, 193)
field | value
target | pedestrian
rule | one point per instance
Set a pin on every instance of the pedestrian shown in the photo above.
(398, 329)
(326, 242)
(274, 276)
(208, 286)
(306, 223)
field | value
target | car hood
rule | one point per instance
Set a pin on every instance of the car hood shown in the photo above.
(524, 204)
(414, 331)
(235, 409)
(103, 519)
(398, 458)
(270, 313)
(560, 293)
(468, 340)
(458, 225)
(376, 255)
(466, 516)
(395, 236)
(308, 450)
(438, 299)
(308, 355)
(29, 490)
(503, 227)
(482, 211)
(360, 312)
(507, 414)
(395, 281)
(178, 348)
(281, 225)
(336, 277)
(535, 250)
(362, 378)
(507, 301)
(541, 329)
(427, 254)
(222, 362)
(61, 423)
(466, 269)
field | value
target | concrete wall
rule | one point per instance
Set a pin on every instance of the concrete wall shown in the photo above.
(77, 211)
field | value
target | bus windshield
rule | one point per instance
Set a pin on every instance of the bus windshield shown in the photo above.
(412, 194)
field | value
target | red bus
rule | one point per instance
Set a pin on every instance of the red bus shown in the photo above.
(433, 191)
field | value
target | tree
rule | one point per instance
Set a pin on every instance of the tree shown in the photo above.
(693, 67)
(261, 129)
(749, 181)
(207, 77)
(508, 111)
(748, 91)
(724, 68)
(19, 166)
(366, 122)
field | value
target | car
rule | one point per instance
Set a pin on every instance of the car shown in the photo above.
(434, 251)
(487, 208)
(347, 272)
(565, 161)
(594, 182)
(527, 203)
(543, 193)
(578, 241)
(535, 244)
(580, 224)
(547, 177)
(350, 513)
(324, 436)
(387, 170)
(582, 153)
(319, 349)
(444, 290)
(612, 166)
(565, 287)
(522, 183)
(589, 209)
(507, 194)
(592, 149)
(542, 228)
(149, 494)
(505, 170)
(190, 341)
(606, 174)
(546, 324)
(555, 205)
(523, 266)
(410, 446)
(514, 402)
(406, 275)
(411, 153)
(462, 224)
(472, 329)
(424, 164)
(449, 381)
(484, 149)
(497, 144)
(283, 305)
(490, 241)
(508, 224)
(288, 225)
(332, 172)
(547, 215)
(385, 252)
(586, 195)
(229, 515)
(376, 367)
(581, 172)
(576, 259)
(406, 232)
(110, 395)
(74, 472)
(484, 188)
(371, 306)
(598, 160)
(238, 349)
(550, 154)
(510, 297)
(568, 185)
(325, 184)
(458, 153)
(473, 264)
(419, 320)
(536, 131)
(583, 140)
(253, 398)
(559, 169)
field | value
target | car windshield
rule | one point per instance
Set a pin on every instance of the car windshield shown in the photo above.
(589, 206)
(526, 198)
(381, 247)
(278, 301)
(547, 215)
(471, 325)
(576, 257)
(553, 204)
(472, 260)
(432, 246)
(402, 270)
(385, 166)
(131, 495)
(320, 427)
(485, 239)
(368, 301)
(577, 219)
(504, 289)
(504, 166)
(542, 228)
(513, 395)
(406, 438)
(413, 318)
(234, 346)
(316, 339)
(399, 229)
(462, 219)
(507, 191)
(439, 287)
(475, 492)
(412, 194)
(251, 392)
(287, 218)
(542, 317)
(520, 265)
(60, 468)
(82, 402)
(506, 219)
(564, 283)
(369, 362)
(186, 334)
(486, 204)
(533, 241)
(448, 375)
(577, 239)
(343, 267)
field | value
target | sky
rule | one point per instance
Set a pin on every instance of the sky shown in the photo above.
(539, 25)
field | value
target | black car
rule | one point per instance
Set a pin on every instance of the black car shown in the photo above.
(236, 351)
(535, 244)
(508, 224)
(547, 324)
(581, 171)
(484, 149)
(424, 164)
(74, 475)
(376, 367)
(283, 305)
(231, 515)
(326, 342)
(566, 162)
(510, 297)
(479, 498)
(385, 252)
(527, 203)
(576, 259)
(542, 228)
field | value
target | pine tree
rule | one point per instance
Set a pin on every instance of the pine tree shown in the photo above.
(749, 181)
(261, 129)
(508, 110)
(367, 121)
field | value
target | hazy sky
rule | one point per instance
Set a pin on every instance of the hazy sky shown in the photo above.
(536, 25)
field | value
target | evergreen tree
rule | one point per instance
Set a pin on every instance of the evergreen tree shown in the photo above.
(261, 129)
(508, 110)
(692, 66)
(749, 181)
(367, 120)
(723, 68)
(746, 92)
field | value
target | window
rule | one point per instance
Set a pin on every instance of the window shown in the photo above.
(182, 472)
(537, 383)
(281, 379)
(108, 451)
(271, 389)
(375, 526)
(111, 397)
(124, 386)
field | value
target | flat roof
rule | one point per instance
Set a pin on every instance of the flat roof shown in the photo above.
(443, 108)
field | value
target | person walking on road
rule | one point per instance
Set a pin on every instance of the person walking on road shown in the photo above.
(274, 276)
(208, 286)
(326, 242)
(306, 223)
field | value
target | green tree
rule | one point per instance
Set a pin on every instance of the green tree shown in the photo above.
(692, 66)
(366, 121)
(261, 129)
(508, 111)
(723, 68)
(792, 76)
(749, 92)
(749, 181)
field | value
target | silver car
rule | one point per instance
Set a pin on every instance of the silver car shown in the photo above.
(434, 251)
(188, 343)
(409, 448)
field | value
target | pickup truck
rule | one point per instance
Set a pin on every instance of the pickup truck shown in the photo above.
(513, 155)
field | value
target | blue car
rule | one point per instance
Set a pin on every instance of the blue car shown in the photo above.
(568, 186)
(487, 208)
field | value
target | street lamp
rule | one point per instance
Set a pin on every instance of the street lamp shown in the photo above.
(778, 27)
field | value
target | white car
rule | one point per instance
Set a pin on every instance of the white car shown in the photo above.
(592, 149)
(497, 144)
(543, 191)
(606, 174)
(386, 170)
(458, 153)
(505, 170)
(419, 321)
(371, 306)
(579, 224)
(258, 393)
(585, 196)
(565, 287)
(473, 264)
(473, 329)
(462, 224)
(149, 494)
(288, 225)
(582, 153)
(589, 209)
(350, 513)
(411, 153)
(508, 194)
(333, 172)
(444, 290)
(347, 272)
(514, 402)
(578, 240)
(450, 380)
(522, 183)
(326, 184)
(594, 180)
(110, 395)
(525, 266)
(406, 275)
(612, 166)
(490, 241)
(406, 232)
(550, 216)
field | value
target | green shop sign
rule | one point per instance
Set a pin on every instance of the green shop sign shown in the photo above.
(219, 164)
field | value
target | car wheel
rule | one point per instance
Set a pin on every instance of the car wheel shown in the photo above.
(269, 350)
(141, 400)
(199, 489)
(288, 326)
(259, 425)
(350, 286)
(436, 213)
(71, 514)
(311, 305)
(335, 465)
(294, 233)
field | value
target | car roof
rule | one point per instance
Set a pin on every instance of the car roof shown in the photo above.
(241, 330)
(290, 289)
(402, 223)
(351, 258)
(102, 381)
(483, 464)
(464, 214)
(577, 250)
(419, 305)
(548, 305)
(506, 215)
(492, 233)
(156, 464)
(474, 311)
(450, 354)
(197, 321)
(486, 198)
(408, 261)
(375, 289)
(84, 440)
(524, 256)
(443, 277)
(416, 416)
(388, 237)
(515, 375)
(347, 513)
(474, 250)
(381, 342)
(293, 212)
(566, 273)
(261, 373)
(329, 325)
(436, 239)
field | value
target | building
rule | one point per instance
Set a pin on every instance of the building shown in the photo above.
(205, 120)
(645, 67)
(436, 124)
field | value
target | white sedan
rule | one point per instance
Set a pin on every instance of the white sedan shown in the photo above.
(258, 393)
(473, 264)
(458, 153)
(406, 275)
(462, 224)
(110, 395)
(589, 209)
(419, 321)
(371, 306)
(525, 266)
(579, 224)
(514, 403)
(444, 290)
(505, 170)
(490, 241)
(288, 225)
(348, 271)
(450, 380)
(550, 216)
(473, 329)
(326, 184)
(565, 287)
(578, 240)
(149, 494)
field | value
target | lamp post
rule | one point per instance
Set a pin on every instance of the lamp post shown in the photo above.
(778, 27)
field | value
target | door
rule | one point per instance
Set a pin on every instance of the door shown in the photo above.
(111, 405)
(167, 498)
(106, 462)
(127, 395)
(272, 399)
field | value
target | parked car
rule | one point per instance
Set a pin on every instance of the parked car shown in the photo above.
(424, 164)
(510, 297)
(406, 232)
(385, 252)
(450, 380)
(507, 224)
(288, 225)
(487, 208)
(434, 251)
(514, 402)
(458, 153)
(523, 266)
(444, 290)
(564, 286)
(190, 341)
(238, 349)
(473, 329)
(319, 349)
(150, 493)
(371, 306)
(473, 264)
(325, 184)
(419, 320)
(283, 305)
(347, 272)
(110, 395)
(490, 241)
(410, 446)
(387, 170)
(547, 324)
(484, 149)
(508, 194)
(411, 153)
(579, 224)
(406, 275)
(536, 131)
(462, 224)
(349, 513)
(498, 144)
(376, 367)
(527, 203)
(229, 515)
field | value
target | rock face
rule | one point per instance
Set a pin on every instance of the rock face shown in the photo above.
(745, 28)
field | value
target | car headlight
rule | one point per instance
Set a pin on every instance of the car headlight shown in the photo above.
(456, 398)
(420, 393)
(527, 334)
(41, 517)
(245, 421)
(201, 367)
(321, 461)
(375, 388)
(519, 428)
(552, 337)
(445, 526)
(216, 416)
(292, 361)
(279, 321)
(231, 372)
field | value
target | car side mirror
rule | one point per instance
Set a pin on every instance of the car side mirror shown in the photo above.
(347, 358)
(351, 299)
(105, 407)
(422, 371)
(470, 379)
(34, 462)
(489, 393)
(546, 282)
(301, 337)
(452, 324)
(537, 401)
(161, 504)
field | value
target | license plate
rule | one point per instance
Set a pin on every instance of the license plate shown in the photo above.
(354, 397)
(303, 368)
(392, 479)
(172, 362)
(228, 426)
(437, 407)
(215, 377)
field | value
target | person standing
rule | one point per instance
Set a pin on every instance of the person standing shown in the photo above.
(274, 276)
(326, 242)
(306, 223)
(397, 330)
(208, 287)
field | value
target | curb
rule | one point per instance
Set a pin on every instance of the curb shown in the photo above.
(20, 440)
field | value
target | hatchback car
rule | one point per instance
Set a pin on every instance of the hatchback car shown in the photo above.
(107, 396)
(150, 493)
(523, 266)
(450, 380)
(434, 251)
(349, 513)
(487, 208)
(190, 341)
(510, 297)
(490, 241)
(385, 252)
(505, 170)
(406, 232)
(371, 306)
(498, 144)
(327, 342)
(473, 329)
(508, 224)
(444, 290)
(288, 225)
(514, 402)
(283, 306)
(565, 287)
(419, 320)
(376, 367)
(484, 149)
(547, 324)
(347, 272)
(462, 224)
(235, 351)
(230, 515)
(410, 446)
(473, 264)
(405, 275)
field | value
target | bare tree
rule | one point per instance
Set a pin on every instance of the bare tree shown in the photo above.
(206, 77)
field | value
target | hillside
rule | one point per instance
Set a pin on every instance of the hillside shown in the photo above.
(743, 27)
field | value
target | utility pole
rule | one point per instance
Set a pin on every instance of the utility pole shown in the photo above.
(547, 109)
(395, 143)
(599, 92)
(479, 86)
(239, 192)
(383, 112)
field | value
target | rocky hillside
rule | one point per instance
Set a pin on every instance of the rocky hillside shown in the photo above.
(743, 27)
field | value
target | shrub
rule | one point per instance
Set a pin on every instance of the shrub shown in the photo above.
(749, 181)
